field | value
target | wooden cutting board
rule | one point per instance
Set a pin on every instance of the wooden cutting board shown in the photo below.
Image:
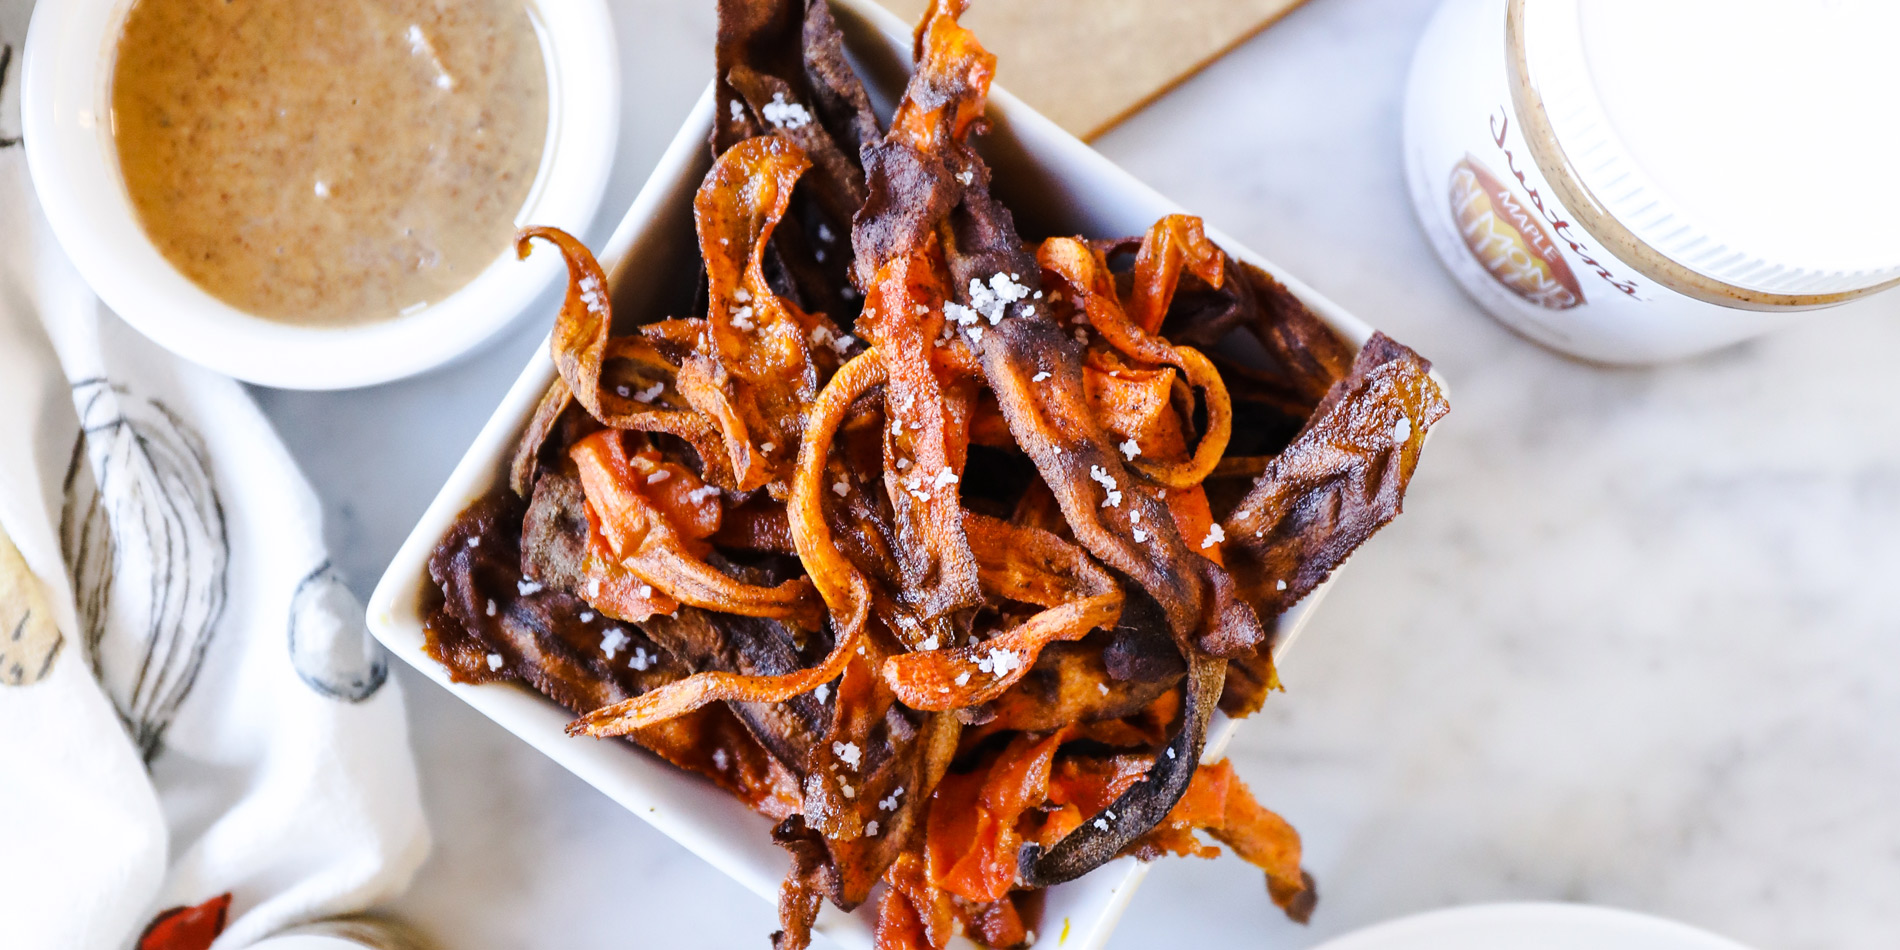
(1088, 64)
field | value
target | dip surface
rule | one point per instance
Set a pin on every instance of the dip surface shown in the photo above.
(329, 162)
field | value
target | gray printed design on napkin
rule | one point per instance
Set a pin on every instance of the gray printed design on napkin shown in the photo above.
(144, 538)
(330, 647)
(9, 99)
(14, 15)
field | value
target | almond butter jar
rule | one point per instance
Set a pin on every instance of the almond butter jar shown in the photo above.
(1632, 181)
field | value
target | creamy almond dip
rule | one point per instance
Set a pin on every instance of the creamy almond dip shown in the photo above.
(329, 162)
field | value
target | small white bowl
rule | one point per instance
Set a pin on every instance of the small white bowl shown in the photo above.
(66, 96)
(1531, 926)
(1055, 184)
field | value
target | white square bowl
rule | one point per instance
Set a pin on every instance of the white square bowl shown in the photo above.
(1055, 184)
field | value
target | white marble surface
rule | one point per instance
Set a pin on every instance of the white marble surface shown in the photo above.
(1633, 641)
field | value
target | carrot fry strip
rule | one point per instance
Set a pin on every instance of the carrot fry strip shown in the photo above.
(1202, 375)
(579, 341)
(648, 543)
(754, 371)
(1021, 564)
(843, 589)
(967, 676)
(1175, 243)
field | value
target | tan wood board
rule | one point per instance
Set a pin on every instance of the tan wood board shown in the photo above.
(1088, 64)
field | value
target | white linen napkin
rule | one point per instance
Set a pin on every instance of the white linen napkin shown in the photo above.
(189, 701)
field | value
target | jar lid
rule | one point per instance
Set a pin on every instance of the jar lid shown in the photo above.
(1750, 142)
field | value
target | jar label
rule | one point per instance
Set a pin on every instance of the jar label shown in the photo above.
(1508, 240)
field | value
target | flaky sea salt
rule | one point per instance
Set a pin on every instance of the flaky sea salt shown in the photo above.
(785, 115)
(612, 641)
(491, 608)
(650, 393)
(659, 476)
(1402, 429)
(1130, 450)
(641, 659)
(1214, 536)
(527, 588)
(494, 661)
(1003, 661)
(847, 752)
(591, 296)
(840, 489)
(1039, 377)
(963, 315)
(1007, 289)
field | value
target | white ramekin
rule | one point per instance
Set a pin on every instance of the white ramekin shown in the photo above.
(66, 113)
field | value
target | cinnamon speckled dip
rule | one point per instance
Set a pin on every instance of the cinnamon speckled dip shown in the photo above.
(329, 163)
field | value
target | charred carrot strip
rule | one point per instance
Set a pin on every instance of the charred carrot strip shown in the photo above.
(755, 371)
(1173, 244)
(1025, 565)
(648, 543)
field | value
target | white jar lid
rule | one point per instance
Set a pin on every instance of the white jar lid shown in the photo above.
(1754, 142)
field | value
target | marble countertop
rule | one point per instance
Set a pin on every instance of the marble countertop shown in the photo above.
(1632, 642)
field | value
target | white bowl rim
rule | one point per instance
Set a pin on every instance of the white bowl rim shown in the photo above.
(65, 122)
(1529, 923)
